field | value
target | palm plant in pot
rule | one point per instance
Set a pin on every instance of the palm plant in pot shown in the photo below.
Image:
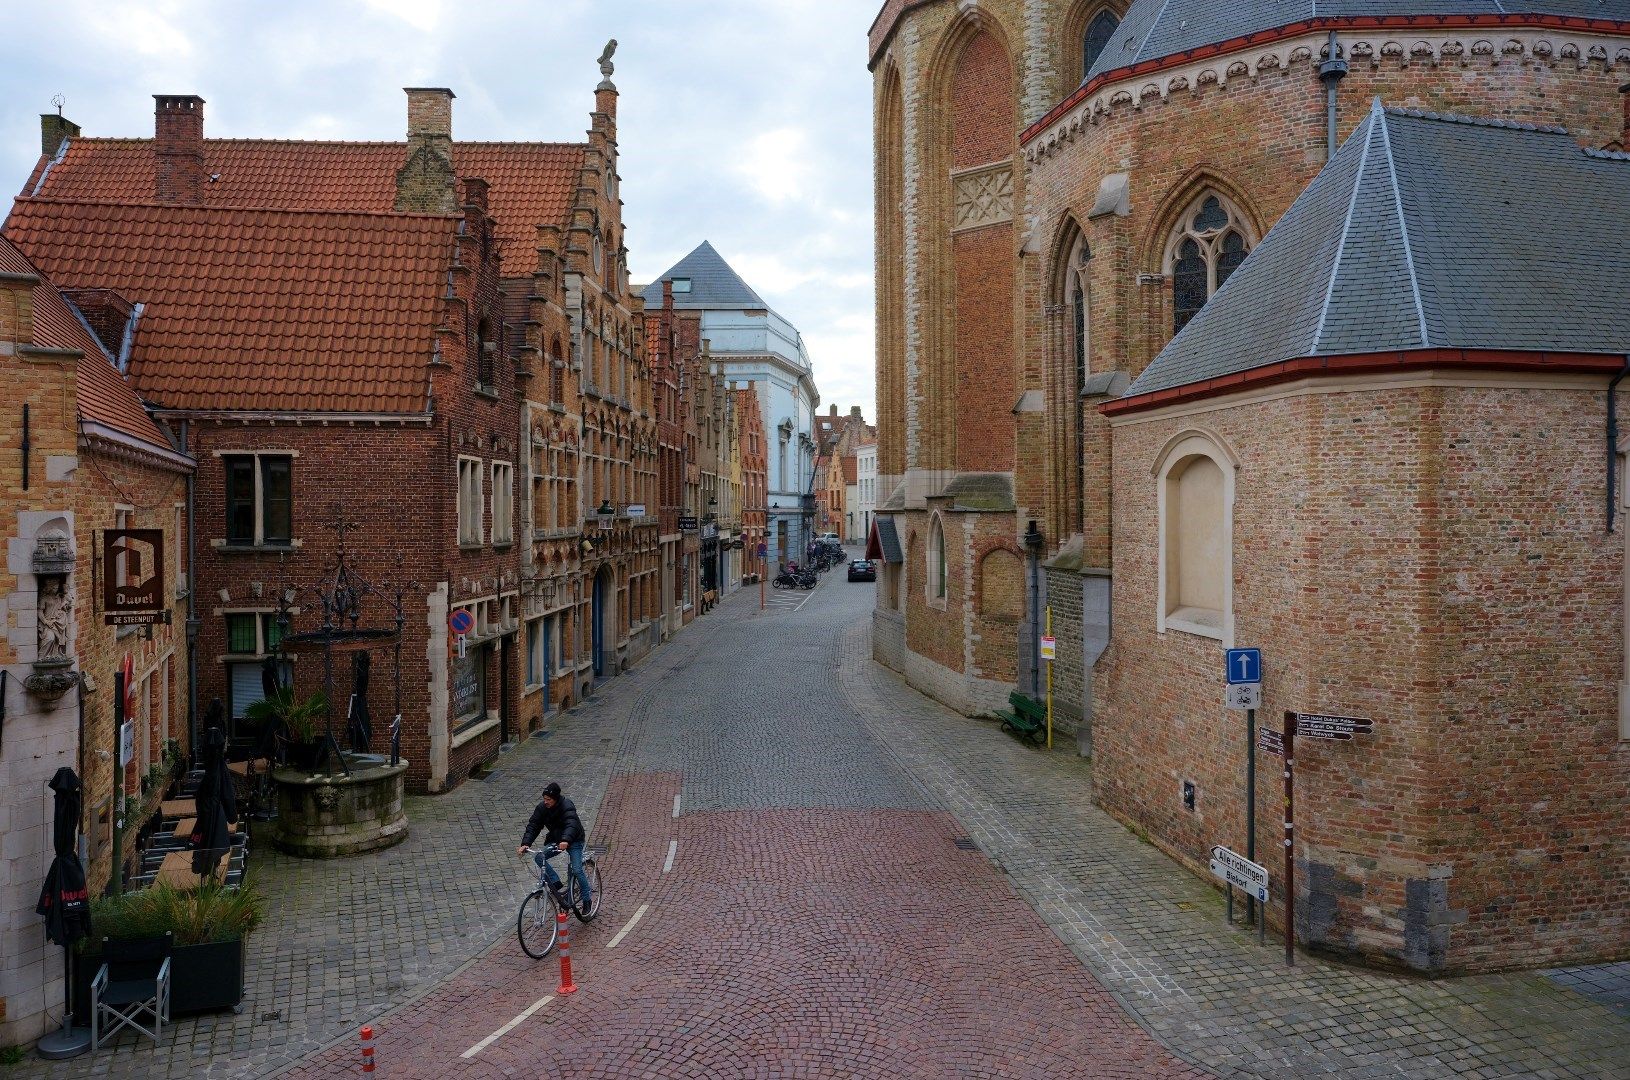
(281, 711)
(208, 924)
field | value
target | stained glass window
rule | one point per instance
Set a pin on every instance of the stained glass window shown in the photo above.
(1189, 289)
(1099, 32)
(1210, 243)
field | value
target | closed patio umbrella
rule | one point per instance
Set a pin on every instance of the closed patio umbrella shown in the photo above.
(65, 903)
(217, 806)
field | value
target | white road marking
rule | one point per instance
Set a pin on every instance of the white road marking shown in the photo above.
(676, 806)
(668, 863)
(507, 1028)
(638, 915)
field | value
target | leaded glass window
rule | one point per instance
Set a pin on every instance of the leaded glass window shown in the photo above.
(1209, 244)
(1099, 32)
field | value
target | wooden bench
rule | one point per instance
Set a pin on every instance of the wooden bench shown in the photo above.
(1028, 720)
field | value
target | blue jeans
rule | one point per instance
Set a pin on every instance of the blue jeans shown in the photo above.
(575, 855)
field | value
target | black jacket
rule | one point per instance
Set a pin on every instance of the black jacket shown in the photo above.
(557, 825)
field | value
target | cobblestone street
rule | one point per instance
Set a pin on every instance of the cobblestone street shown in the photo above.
(786, 896)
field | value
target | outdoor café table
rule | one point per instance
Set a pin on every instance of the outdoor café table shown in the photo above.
(176, 869)
(178, 808)
(185, 826)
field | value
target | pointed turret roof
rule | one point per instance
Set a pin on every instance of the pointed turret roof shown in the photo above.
(1426, 231)
(1156, 28)
(713, 284)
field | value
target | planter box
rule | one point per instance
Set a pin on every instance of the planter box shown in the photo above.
(203, 978)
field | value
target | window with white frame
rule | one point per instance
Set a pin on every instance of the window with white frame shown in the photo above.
(251, 636)
(1195, 493)
(503, 502)
(469, 500)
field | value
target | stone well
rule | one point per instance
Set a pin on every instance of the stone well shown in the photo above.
(323, 817)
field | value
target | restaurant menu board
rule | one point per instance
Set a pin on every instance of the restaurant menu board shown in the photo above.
(468, 698)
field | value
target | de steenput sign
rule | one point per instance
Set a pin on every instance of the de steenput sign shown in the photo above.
(133, 577)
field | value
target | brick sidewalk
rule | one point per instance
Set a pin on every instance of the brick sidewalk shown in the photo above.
(1157, 937)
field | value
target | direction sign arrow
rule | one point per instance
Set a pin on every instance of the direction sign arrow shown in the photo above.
(1320, 726)
(1244, 666)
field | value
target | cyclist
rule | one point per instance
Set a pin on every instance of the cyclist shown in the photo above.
(557, 819)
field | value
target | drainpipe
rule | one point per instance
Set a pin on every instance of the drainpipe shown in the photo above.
(1613, 441)
(1033, 543)
(195, 625)
(1331, 72)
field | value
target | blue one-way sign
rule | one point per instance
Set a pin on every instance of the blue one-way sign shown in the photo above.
(1244, 665)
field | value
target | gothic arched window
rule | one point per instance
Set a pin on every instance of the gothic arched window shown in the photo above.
(1099, 32)
(1209, 243)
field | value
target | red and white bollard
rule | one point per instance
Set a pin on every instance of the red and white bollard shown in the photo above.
(566, 984)
(367, 1049)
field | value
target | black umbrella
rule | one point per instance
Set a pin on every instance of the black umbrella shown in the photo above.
(216, 804)
(271, 680)
(64, 901)
(65, 904)
(360, 730)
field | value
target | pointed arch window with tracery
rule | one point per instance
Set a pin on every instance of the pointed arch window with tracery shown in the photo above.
(1100, 31)
(1210, 242)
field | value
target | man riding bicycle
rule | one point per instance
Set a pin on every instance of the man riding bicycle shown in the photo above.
(557, 819)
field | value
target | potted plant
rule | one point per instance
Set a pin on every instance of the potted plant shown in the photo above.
(282, 710)
(209, 924)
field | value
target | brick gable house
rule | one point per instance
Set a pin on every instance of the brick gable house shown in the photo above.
(573, 593)
(81, 456)
(1061, 188)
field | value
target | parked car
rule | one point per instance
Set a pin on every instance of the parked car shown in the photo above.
(862, 570)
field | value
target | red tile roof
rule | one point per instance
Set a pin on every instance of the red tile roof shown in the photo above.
(531, 183)
(103, 397)
(259, 309)
(851, 469)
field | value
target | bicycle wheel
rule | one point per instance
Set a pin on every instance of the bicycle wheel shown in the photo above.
(536, 924)
(592, 872)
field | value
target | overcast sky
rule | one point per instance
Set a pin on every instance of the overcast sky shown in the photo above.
(742, 122)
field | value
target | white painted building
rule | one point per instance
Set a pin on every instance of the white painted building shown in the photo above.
(863, 497)
(750, 343)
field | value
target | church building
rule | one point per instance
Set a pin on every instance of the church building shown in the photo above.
(1418, 530)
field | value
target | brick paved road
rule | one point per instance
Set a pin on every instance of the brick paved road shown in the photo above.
(784, 740)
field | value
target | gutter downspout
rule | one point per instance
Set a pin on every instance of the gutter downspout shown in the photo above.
(1613, 441)
(1331, 71)
(195, 625)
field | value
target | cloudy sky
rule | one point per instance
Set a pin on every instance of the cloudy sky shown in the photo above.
(742, 122)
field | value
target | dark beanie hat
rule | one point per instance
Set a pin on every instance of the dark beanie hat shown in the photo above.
(552, 790)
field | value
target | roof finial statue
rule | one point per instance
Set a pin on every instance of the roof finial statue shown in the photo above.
(606, 66)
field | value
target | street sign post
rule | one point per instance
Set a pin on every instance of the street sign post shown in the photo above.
(1246, 695)
(1270, 741)
(1240, 872)
(1244, 665)
(1049, 647)
(461, 622)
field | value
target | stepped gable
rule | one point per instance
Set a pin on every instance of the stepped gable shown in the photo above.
(1156, 28)
(1426, 231)
(103, 395)
(275, 310)
(530, 183)
(714, 284)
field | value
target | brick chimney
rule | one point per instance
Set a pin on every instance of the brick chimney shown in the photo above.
(178, 147)
(54, 128)
(426, 182)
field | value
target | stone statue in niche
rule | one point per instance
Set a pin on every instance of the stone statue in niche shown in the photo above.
(53, 620)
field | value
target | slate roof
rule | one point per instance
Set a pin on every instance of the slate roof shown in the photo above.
(530, 183)
(103, 395)
(713, 283)
(884, 542)
(1427, 232)
(258, 309)
(1156, 28)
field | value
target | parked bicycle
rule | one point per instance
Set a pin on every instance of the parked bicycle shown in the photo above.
(538, 925)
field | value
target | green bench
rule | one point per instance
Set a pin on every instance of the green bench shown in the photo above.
(1028, 720)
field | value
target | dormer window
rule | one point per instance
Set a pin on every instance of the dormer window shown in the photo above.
(681, 285)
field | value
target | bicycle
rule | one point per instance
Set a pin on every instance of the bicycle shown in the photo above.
(537, 924)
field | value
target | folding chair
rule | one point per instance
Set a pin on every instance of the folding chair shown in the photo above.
(132, 985)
